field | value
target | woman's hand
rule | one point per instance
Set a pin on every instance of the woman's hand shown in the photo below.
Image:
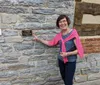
(35, 37)
(63, 54)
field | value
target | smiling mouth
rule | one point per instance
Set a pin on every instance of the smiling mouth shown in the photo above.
(63, 26)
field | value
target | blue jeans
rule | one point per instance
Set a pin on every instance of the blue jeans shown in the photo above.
(67, 71)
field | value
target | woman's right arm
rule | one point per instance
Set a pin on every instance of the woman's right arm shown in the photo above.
(43, 41)
(40, 40)
(52, 42)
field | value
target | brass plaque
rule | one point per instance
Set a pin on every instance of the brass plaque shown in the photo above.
(26, 32)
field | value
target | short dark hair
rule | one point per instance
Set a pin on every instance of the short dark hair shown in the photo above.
(61, 17)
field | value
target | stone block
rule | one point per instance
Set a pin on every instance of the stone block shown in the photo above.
(92, 1)
(41, 63)
(13, 10)
(13, 39)
(9, 18)
(23, 46)
(81, 78)
(9, 32)
(94, 76)
(28, 25)
(90, 19)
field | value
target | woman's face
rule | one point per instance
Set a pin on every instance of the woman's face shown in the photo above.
(63, 24)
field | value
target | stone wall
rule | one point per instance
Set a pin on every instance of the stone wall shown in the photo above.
(22, 60)
(86, 21)
(25, 62)
(87, 17)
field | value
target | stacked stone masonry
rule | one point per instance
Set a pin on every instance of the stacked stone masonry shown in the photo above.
(26, 62)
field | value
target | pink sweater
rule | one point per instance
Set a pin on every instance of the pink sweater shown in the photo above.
(75, 35)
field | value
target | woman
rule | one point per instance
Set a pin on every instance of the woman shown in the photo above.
(70, 46)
